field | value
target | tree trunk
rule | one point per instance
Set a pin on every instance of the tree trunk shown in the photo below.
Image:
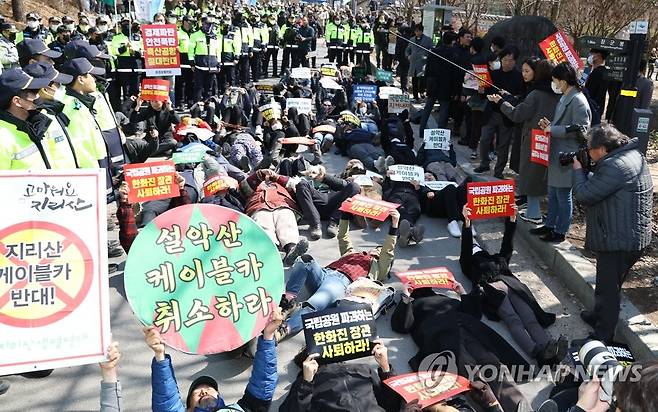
(17, 10)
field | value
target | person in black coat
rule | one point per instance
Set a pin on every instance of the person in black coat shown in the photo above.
(159, 118)
(506, 297)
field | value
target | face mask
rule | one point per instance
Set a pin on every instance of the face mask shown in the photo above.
(363, 110)
(59, 93)
(32, 24)
(495, 65)
(555, 88)
(590, 60)
(102, 28)
(84, 27)
(276, 126)
(11, 36)
(54, 27)
(66, 38)
(171, 20)
(70, 27)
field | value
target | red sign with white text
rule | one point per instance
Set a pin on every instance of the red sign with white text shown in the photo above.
(217, 184)
(154, 90)
(557, 47)
(364, 206)
(151, 181)
(490, 199)
(539, 147)
(439, 277)
(161, 56)
(428, 387)
(482, 73)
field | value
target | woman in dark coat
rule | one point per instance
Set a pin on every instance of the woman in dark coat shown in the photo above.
(539, 102)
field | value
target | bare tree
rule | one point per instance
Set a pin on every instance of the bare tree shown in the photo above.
(603, 18)
(17, 10)
(472, 10)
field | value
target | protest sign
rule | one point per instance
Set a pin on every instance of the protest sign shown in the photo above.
(386, 91)
(194, 156)
(364, 206)
(349, 117)
(482, 73)
(161, 56)
(490, 199)
(303, 105)
(428, 387)
(620, 351)
(330, 71)
(271, 111)
(324, 128)
(364, 92)
(217, 184)
(557, 47)
(539, 147)
(384, 76)
(330, 84)
(362, 180)
(301, 73)
(156, 90)
(340, 334)
(438, 184)
(54, 302)
(397, 103)
(359, 73)
(471, 82)
(371, 174)
(407, 173)
(151, 181)
(437, 139)
(206, 276)
(439, 277)
(298, 140)
(265, 88)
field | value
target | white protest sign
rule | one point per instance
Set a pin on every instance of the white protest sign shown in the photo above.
(54, 301)
(386, 91)
(407, 173)
(301, 73)
(271, 110)
(437, 139)
(363, 180)
(301, 104)
(373, 174)
(438, 184)
(397, 103)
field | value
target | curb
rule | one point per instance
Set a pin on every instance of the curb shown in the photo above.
(579, 276)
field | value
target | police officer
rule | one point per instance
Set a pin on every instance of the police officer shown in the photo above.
(203, 51)
(272, 52)
(8, 51)
(54, 23)
(246, 47)
(34, 29)
(288, 35)
(184, 83)
(83, 27)
(127, 55)
(20, 145)
(35, 50)
(363, 43)
(335, 37)
(230, 46)
(261, 39)
(61, 40)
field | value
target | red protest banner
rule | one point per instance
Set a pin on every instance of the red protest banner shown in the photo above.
(557, 47)
(490, 199)
(482, 73)
(539, 147)
(438, 277)
(151, 181)
(155, 90)
(428, 387)
(364, 206)
(217, 184)
(161, 56)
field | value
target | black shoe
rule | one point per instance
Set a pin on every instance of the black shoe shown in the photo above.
(500, 176)
(481, 169)
(244, 164)
(114, 250)
(588, 317)
(553, 237)
(541, 230)
(549, 354)
(300, 248)
(288, 306)
(521, 201)
(462, 142)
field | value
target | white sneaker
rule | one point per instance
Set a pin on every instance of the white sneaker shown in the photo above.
(454, 229)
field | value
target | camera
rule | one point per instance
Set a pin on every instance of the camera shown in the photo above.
(582, 154)
(599, 362)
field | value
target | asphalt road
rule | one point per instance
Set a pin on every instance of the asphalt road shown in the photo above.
(77, 388)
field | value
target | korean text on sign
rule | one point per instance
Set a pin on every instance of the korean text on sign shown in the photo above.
(407, 173)
(438, 277)
(364, 206)
(437, 139)
(428, 387)
(151, 181)
(540, 147)
(339, 334)
(491, 199)
(557, 47)
(161, 48)
(154, 90)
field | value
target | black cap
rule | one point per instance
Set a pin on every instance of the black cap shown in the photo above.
(82, 48)
(32, 15)
(30, 47)
(67, 19)
(12, 81)
(54, 18)
(8, 26)
(43, 70)
(201, 380)
(81, 66)
(63, 29)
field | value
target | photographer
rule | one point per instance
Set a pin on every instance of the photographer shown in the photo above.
(619, 198)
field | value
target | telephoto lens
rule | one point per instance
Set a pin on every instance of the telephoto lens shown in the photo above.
(598, 361)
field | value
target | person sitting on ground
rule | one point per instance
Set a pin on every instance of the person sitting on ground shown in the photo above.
(506, 297)
(369, 115)
(271, 203)
(322, 387)
(323, 204)
(204, 393)
(446, 203)
(159, 117)
(328, 284)
(407, 195)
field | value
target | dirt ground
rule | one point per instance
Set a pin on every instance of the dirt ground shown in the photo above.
(44, 8)
(642, 285)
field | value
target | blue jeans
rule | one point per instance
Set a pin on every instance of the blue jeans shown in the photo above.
(442, 121)
(533, 211)
(370, 126)
(325, 285)
(560, 206)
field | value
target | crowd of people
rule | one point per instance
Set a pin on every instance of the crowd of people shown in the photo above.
(70, 98)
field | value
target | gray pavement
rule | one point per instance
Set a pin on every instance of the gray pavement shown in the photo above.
(77, 388)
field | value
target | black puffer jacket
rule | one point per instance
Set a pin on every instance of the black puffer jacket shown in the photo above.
(619, 200)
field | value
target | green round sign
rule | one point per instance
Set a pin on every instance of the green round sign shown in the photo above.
(206, 276)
